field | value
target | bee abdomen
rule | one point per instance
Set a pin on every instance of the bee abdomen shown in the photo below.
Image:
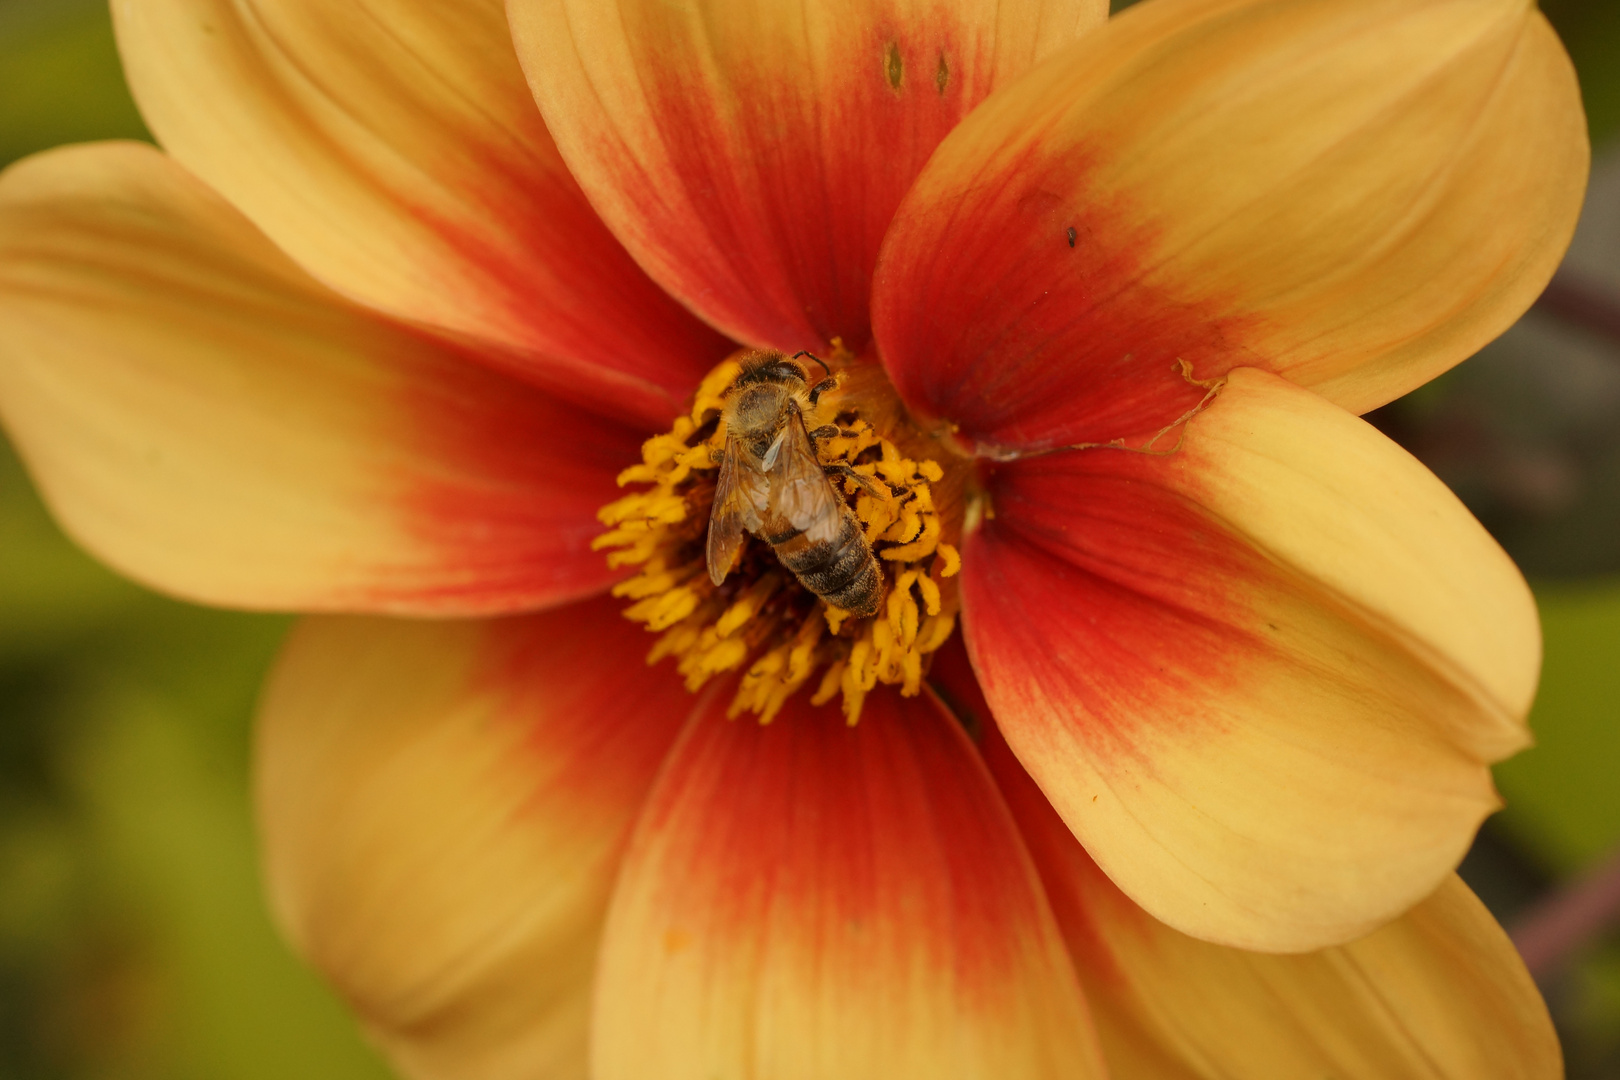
(841, 571)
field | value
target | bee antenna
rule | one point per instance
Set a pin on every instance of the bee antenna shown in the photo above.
(825, 370)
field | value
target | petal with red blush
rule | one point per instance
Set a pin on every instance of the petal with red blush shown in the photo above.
(1262, 675)
(392, 148)
(444, 806)
(209, 420)
(808, 899)
(750, 153)
(1354, 194)
(1440, 992)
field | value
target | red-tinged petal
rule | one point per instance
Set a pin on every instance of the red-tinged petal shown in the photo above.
(750, 153)
(444, 807)
(806, 900)
(1355, 194)
(393, 149)
(209, 420)
(1439, 994)
(1260, 676)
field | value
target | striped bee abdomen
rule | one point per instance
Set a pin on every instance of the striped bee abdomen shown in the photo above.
(841, 571)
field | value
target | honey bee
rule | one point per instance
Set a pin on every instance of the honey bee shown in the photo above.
(773, 486)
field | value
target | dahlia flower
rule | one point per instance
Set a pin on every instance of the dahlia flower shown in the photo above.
(1177, 703)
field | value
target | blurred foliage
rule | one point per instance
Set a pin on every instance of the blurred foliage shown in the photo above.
(60, 80)
(1563, 798)
(133, 939)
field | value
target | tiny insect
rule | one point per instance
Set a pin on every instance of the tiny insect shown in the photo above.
(773, 486)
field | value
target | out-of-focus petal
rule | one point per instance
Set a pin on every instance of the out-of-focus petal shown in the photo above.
(806, 900)
(201, 414)
(750, 153)
(1356, 194)
(444, 807)
(1260, 676)
(392, 148)
(1439, 994)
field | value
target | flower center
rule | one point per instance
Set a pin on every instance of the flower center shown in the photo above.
(791, 525)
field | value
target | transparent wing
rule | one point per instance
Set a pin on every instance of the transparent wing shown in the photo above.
(737, 496)
(801, 496)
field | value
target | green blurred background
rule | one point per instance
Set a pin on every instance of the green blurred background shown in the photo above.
(133, 941)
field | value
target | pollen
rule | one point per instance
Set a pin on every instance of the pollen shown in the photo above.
(761, 625)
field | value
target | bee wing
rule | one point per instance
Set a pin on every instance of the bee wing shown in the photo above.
(800, 493)
(738, 494)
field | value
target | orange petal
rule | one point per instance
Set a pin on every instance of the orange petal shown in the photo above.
(807, 899)
(1439, 993)
(209, 420)
(444, 806)
(1260, 676)
(750, 153)
(1355, 194)
(392, 148)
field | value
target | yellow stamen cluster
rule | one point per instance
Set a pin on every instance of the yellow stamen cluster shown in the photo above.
(761, 620)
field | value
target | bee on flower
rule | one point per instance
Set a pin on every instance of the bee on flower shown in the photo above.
(1060, 682)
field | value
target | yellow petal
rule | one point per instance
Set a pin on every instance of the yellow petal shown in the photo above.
(209, 420)
(750, 153)
(1260, 676)
(392, 148)
(1355, 194)
(807, 900)
(443, 808)
(1439, 994)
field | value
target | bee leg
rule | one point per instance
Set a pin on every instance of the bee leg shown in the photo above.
(866, 483)
(826, 431)
(829, 383)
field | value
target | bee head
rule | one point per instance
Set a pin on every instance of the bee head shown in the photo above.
(771, 367)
